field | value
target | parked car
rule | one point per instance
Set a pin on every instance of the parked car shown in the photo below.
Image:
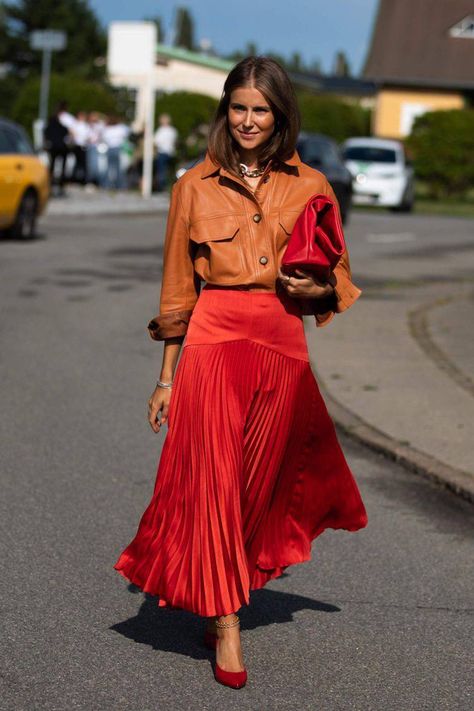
(381, 172)
(322, 153)
(24, 182)
(319, 152)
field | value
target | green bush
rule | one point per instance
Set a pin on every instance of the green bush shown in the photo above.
(334, 118)
(80, 94)
(191, 114)
(8, 92)
(442, 146)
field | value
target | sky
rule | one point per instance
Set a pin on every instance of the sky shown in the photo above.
(315, 28)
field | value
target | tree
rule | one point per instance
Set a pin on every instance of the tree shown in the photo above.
(160, 33)
(296, 63)
(86, 40)
(316, 67)
(442, 144)
(4, 39)
(341, 65)
(80, 94)
(184, 32)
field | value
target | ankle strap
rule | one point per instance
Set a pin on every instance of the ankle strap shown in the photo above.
(224, 625)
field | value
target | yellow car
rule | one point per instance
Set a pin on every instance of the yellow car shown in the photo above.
(24, 182)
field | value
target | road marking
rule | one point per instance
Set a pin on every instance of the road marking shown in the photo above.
(391, 237)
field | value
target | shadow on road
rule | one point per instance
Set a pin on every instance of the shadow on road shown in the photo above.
(180, 632)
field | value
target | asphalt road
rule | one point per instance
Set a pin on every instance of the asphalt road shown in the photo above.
(379, 620)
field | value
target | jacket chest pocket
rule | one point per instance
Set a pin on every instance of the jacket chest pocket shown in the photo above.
(218, 251)
(286, 222)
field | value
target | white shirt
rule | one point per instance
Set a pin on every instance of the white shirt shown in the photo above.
(96, 130)
(80, 133)
(115, 136)
(67, 120)
(165, 139)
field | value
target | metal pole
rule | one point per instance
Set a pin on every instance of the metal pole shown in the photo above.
(147, 177)
(44, 92)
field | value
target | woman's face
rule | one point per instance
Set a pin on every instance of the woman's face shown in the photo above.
(251, 119)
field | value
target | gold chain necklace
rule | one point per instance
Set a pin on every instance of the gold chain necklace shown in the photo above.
(255, 173)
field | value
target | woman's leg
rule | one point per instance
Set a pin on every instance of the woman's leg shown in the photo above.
(229, 651)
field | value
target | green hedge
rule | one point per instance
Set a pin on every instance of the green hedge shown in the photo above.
(442, 147)
(191, 114)
(80, 94)
(334, 118)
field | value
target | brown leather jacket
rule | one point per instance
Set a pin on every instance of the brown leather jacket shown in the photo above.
(221, 232)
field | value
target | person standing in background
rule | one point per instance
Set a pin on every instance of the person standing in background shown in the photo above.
(165, 140)
(96, 129)
(55, 136)
(80, 135)
(114, 136)
(66, 118)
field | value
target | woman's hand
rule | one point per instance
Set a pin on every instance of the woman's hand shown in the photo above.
(304, 285)
(159, 402)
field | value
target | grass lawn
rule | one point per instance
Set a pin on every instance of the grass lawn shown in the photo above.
(453, 208)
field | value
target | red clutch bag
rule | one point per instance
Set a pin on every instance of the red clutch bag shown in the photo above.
(317, 241)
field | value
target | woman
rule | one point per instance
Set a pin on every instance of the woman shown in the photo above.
(251, 470)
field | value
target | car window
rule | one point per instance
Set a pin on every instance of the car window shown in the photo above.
(6, 146)
(370, 154)
(12, 141)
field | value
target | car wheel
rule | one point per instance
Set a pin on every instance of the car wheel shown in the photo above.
(24, 226)
(408, 201)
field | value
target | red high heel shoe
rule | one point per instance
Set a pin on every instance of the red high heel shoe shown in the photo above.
(236, 680)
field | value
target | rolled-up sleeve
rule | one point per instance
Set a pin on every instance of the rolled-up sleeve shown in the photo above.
(345, 291)
(180, 284)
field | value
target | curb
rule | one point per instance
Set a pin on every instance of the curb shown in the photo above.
(455, 480)
(102, 212)
(94, 205)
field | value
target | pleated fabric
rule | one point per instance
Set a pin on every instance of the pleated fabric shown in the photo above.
(251, 470)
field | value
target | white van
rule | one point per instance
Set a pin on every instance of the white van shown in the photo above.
(381, 173)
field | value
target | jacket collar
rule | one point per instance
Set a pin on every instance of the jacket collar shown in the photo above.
(209, 167)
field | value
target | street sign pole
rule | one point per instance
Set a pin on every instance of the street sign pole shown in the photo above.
(44, 91)
(47, 41)
(147, 178)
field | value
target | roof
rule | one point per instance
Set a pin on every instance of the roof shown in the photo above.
(186, 55)
(412, 44)
(349, 86)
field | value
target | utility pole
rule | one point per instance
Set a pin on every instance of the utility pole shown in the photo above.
(47, 41)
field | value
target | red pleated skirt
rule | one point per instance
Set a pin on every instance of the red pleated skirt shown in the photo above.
(251, 470)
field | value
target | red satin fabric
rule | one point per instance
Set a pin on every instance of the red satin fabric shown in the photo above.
(317, 240)
(251, 470)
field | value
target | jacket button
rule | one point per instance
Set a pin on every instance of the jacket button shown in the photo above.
(263, 260)
(257, 217)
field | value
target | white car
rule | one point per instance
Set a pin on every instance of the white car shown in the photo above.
(381, 173)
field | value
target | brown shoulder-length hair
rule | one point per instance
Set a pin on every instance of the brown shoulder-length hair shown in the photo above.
(273, 82)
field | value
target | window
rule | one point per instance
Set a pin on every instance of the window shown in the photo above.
(409, 112)
(370, 154)
(464, 28)
(318, 153)
(5, 145)
(13, 141)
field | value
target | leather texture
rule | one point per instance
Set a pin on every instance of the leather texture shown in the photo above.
(221, 232)
(316, 242)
